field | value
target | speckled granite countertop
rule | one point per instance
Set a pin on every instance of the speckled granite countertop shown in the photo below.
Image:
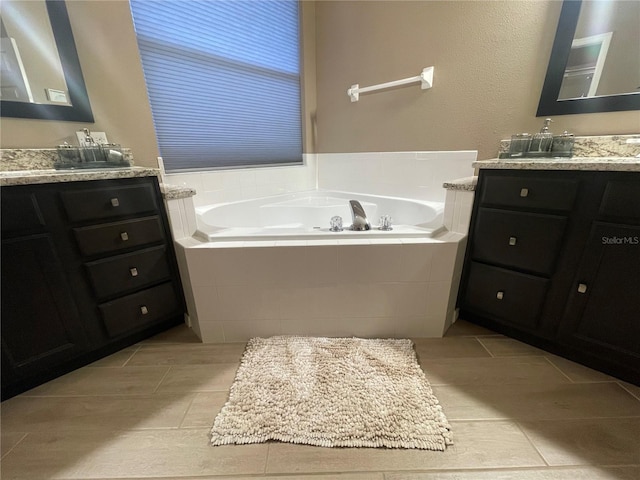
(175, 192)
(611, 164)
(614, 153)
(467, 183)
(27, 166)
(29, 177)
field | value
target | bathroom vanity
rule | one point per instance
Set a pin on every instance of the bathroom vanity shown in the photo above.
(88, 268)
(553, 258)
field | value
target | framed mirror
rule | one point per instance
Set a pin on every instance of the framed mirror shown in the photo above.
(40, 69)
(595, 59)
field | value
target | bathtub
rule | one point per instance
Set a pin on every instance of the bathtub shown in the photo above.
(271, 266)
(306, 216)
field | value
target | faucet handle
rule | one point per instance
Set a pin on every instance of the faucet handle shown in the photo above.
(336, 224)
(385, 223)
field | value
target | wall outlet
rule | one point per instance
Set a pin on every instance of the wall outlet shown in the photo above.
(98, 137)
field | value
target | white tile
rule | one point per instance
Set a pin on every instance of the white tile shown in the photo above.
(175, 222)
(438, 299)
(443, 261)
(206, 304)
(294, 303)
(211, 332)
(416, 262)
(247, 302)
(449, 206)
(189, 216)
(321, 264)
(211, 181)
(242, 331)
(202, 264)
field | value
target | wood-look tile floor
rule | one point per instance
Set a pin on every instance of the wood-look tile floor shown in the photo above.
(145, 412)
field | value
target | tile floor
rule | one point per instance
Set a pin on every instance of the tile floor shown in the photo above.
(145, 412)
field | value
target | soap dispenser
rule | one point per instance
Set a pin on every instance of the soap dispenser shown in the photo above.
(541, 142)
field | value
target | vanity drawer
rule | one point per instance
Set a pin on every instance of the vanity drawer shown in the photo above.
(137, 310)
(112, 237)
(621, 199)
(511, 297)
(522, 241)
(109, 202)
(529, 192)
(127, 272)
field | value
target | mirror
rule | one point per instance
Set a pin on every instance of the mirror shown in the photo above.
(595, 59)
(39, 65)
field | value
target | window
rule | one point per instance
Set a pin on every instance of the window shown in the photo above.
(223, 79)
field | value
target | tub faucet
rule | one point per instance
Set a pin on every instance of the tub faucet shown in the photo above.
(360, 221)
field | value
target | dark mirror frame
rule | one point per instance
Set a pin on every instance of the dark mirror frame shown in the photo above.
(80, 108)
(549, 103)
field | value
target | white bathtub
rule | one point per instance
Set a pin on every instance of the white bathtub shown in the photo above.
(306, 216)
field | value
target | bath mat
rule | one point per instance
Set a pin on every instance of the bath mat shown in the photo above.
(332, 392)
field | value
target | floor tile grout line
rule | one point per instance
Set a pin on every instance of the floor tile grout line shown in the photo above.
(624, 387)
(17, 443)
(526, 435)
(155, 390)
(485, 347)
(186, 411)
(546, 357)
(131, 356)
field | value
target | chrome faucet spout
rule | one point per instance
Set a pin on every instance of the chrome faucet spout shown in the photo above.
(360, 221)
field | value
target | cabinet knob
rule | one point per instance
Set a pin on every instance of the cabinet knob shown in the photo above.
(115, 202)
(124, 236)
(500, 295)
(133, 271)
(524, 192)
(582, 288)
(144, 310)
(512, 240)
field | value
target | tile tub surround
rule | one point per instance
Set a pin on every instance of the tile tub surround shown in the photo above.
(459, 203)
(366, 288)
(417, 175)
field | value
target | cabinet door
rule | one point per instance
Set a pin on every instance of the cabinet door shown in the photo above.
(603, 315)
(41, 327)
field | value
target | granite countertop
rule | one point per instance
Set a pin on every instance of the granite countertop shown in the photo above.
(29, 177)
(467, 183)
(175, 192)
(612, 164)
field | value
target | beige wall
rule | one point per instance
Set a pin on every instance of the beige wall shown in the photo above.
(490, 60)
(105, 40)
(489, 57)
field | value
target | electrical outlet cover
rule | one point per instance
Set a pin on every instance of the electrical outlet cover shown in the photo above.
(99, 137)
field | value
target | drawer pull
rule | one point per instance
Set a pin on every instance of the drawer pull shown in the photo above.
(582, 288)
(124, 236)
(500, 295)
(512, 241)
(524, 192)
(133, 271)
(115, 202)
(144, 310)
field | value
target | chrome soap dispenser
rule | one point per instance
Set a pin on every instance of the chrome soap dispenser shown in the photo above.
(541, 142)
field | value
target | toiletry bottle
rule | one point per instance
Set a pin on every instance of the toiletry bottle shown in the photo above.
(542, 141)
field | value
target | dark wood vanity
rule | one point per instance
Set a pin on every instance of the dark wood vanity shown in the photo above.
(88, 268)
(553, 259)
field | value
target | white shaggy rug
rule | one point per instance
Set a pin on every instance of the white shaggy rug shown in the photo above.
(332, 392)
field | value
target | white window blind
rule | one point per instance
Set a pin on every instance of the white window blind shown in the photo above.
(223, 79)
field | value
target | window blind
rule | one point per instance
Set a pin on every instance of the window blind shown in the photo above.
(223, 79)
